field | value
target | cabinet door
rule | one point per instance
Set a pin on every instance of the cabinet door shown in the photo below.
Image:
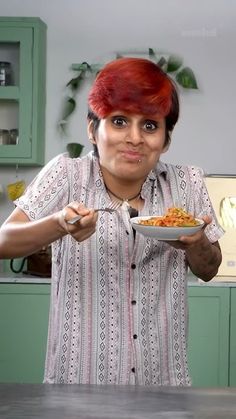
(232, 372)
(21, 94)
(209, 308)
(22, 102)
(24, 313)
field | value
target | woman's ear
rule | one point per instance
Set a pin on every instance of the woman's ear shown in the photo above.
(90, 131)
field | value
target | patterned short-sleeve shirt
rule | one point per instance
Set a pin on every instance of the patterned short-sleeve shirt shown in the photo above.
(118, 310)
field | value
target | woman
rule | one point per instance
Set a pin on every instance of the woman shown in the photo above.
(118, 301)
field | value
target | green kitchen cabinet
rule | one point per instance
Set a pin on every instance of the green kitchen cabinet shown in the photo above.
(22, 99)
(209, 335)
(24, 310)
(232, 352)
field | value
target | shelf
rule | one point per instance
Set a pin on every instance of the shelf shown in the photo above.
(9, 93)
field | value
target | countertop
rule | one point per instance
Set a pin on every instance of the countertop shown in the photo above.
(50, 401)
(8, 278)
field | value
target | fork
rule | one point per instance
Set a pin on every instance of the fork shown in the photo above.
(113, 206)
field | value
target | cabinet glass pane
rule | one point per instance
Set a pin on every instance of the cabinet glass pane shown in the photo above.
(9, 76)
(10, 53)
(9, 122)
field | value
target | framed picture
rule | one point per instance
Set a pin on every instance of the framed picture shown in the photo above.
(222, 192)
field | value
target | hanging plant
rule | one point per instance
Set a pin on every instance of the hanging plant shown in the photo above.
(171, 64)
(184, 76)
(83, 70)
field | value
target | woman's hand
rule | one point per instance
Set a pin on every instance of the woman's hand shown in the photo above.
(186, 242)
(204, 257)
(83, 228)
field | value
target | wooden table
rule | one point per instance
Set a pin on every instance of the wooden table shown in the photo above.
(45, 401)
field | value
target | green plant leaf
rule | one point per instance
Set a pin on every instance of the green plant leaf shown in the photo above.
(186, 78)
(75, 83)
(174, 62)
(69, 108)
(81, 66)
(162, 62)
(74, 149)
(151, 53)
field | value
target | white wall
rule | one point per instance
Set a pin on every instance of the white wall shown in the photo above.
(203, 32)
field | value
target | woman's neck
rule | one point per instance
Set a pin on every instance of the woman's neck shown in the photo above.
(122, 198)
(122, 189)
(123, 193)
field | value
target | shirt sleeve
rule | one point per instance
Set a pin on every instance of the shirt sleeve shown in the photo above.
(49, 191)
(203, 204)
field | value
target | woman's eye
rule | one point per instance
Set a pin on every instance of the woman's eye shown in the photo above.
(150, 125)
(119, 121)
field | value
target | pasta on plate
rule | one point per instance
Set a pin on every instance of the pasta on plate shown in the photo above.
(175, 217)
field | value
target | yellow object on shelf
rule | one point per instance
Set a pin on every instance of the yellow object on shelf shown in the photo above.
(15, 190)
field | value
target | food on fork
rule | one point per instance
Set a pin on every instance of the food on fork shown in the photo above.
(175, 217)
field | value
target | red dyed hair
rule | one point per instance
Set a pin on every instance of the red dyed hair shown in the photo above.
(135, 85)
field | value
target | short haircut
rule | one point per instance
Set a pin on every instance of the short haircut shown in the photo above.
(134, 85)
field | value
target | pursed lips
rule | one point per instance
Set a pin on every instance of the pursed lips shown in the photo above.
(131, 155)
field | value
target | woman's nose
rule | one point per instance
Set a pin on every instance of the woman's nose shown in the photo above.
(135, 135)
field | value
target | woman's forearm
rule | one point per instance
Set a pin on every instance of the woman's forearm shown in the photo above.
(205, 259)
(21, 237)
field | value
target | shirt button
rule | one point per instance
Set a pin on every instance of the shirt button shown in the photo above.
(135, 336)
(133, 302)
(133, 369)
(133, 266)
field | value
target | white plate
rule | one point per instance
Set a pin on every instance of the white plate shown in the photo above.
(164, 233)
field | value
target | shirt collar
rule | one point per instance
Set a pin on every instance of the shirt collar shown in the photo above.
(160, 169)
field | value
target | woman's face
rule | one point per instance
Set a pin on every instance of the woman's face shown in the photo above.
(129, 145)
